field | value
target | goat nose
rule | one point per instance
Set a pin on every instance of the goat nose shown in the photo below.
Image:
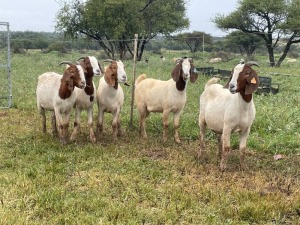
(231, 86)
(98, 70)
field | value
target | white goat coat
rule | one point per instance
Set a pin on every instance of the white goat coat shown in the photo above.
(160, 95)
(47, 93)
(220, 108)
(109, 98)
(83, 101)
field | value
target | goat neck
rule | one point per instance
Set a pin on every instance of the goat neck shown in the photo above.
(89, 88)
(64, 91)
(246, 98)
(116, 84)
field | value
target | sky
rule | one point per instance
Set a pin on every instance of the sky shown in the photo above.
(40, 15)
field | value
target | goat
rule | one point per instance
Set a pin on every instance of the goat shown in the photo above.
(291, 60)
(55, 92)
(85, 98)
(215, 60)
(229, 109)
(152, 95)
(110, 95)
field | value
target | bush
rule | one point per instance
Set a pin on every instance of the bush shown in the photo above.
(225, 56)
(18, 50)
(293, 55)
(58, 46)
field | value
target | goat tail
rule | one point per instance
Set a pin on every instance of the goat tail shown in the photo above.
(140, 78)
(213, 80)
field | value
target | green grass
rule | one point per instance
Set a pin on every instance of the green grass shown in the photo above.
(135, 181)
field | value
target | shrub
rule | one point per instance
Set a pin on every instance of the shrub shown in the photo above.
(58, 46)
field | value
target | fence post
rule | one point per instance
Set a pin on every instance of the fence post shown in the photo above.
(6, 92)
(133, 78)
(203, 47)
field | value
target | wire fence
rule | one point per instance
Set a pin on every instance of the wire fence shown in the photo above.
(159, 52)
(5, 68)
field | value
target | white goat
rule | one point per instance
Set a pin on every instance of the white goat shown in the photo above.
(215, 60)
(229, 109)
(55, 92)
(152, 95)
(110, 95)
(85, 98)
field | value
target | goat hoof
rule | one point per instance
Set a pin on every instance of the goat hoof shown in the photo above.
(199, 155)
(63, 141)
(243, 167)
(222, 167)
(93, 139)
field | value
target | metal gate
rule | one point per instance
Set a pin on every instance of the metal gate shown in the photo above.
(5, 69)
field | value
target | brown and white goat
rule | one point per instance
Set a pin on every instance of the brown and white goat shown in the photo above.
(85, 98)
(55, 92)
(110, 95)
(152, 95)
(229, 109)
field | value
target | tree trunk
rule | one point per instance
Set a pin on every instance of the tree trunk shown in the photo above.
(129, 50)
(140, 54)
(271, 54)
(284, 54)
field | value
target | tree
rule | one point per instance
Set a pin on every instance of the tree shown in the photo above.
(41, 44)
(113, 23)
(194, 40)
(272, 20)
(245, 43)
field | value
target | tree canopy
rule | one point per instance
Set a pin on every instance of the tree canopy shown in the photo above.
(275, 21)
(194, 40)
(243, 42)
(113, 23)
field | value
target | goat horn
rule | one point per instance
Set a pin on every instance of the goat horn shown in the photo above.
(176, 61)
(251, 63)
(108, 60)
(66, 62)
(82, 57)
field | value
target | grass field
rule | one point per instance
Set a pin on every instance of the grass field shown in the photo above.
(134, 181)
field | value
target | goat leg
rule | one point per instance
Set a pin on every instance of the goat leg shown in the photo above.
(176, 126)
(53, 124)
(165, 125)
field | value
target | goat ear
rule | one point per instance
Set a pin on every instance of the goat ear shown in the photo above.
(193, 76)
(83, 65)
(227, 84)
(176, 72)
(108, 77)
(252, 83)
(70, 83)
(69, 74)
(102, 71)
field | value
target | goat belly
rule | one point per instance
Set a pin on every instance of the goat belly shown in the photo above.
(154, 109)
(215, 126)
